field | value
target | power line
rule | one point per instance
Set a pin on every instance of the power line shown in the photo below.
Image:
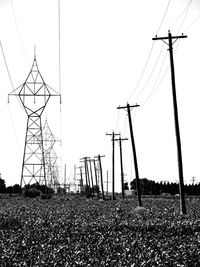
(193, 22)
(150, 52)
(163, 17)
(184, 18)
(59, 49)
(152, 71)
(17, 28)
(154, 87)
(182, 13)
(143, 71)
(11, 82)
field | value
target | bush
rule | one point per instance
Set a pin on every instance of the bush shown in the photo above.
(46, 196)
(32, 192)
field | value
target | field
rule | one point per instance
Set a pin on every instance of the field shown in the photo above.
(73, 231)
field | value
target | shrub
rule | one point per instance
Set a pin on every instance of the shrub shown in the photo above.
(32, 192)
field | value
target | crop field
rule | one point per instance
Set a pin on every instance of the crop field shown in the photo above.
(74, 231)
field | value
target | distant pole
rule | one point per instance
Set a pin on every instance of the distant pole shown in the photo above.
(84, 160)
(81, 174)
(97, 184)
(121, 163)
(107, 182)
(193, 180)
(101, 175)
(74, 177)
(88, 176)
(113, 163)
(178, 139)
(65, 177)
(127, 107)
(91, 177)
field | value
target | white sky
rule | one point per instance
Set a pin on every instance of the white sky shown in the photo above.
(104, 47)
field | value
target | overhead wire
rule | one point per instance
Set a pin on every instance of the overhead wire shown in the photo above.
(152, 72)
(17, 28)
(143, 71)
(166, 10)
(117, 123)
(156, 85)
(150, 52)
(184, 16)
(185, 10)
(59, 72)
(11, 82)
(8, 72)
(193, 22)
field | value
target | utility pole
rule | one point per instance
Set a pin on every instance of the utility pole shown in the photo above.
(101, 174)
(107, 182)
(81, 174)
(65, 177)
(91, 177)
(128, 108)
(113, 163)
(121, 162)
(75, 178)
(84, 160)
(95, 172)
(178, 139)
(193, 180)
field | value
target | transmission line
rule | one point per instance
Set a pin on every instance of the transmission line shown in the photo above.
(150, 52)
(151, 74)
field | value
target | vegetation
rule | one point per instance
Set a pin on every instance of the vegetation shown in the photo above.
(76, 231)
(149, 187)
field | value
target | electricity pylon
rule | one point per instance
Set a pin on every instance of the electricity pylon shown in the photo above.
(34, 94)
(50, 156)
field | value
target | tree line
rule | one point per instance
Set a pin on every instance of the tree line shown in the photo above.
(15, 189)
(150, 187)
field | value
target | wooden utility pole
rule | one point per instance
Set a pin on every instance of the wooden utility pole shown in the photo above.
(113, 163)
(193, 180)
(87, 180)
(178, 139)
(81, 174)
(128, 108)
(97, 184)
(65, 178)
(101, 174)
(91, 177)
(107, 182)
(121, 162)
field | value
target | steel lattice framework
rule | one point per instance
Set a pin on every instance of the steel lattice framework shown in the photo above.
(34, 95)
(50, 156)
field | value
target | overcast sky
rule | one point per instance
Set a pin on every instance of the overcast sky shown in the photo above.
(104, 48)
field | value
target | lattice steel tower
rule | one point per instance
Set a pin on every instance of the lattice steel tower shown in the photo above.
(34, 95)
(50, 156)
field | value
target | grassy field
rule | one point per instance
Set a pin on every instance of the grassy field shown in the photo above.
(74, 231)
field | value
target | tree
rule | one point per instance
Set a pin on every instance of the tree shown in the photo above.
(2, 186)
(17, 189)
(126, 187)
(9, 189)
(145, 186)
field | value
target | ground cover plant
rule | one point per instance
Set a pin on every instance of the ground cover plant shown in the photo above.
(74, 231)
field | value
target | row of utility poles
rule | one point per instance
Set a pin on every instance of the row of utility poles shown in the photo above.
(169, 40)
(88, 172)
